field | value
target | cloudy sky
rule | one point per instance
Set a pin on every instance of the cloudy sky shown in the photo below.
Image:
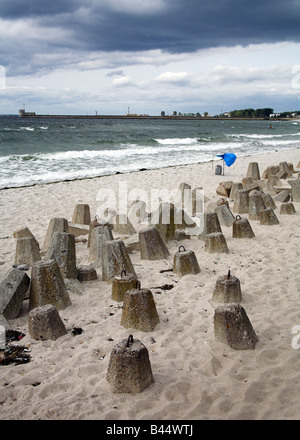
(83, 56)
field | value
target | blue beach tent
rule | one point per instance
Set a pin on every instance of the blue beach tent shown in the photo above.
(229, 158)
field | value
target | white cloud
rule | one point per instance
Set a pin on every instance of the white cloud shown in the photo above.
(179, 78)
(122, 81)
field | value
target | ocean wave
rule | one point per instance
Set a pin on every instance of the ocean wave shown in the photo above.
(262, 136)
(177, 141)
(27, 128)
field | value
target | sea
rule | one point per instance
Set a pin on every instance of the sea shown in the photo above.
(38, 151)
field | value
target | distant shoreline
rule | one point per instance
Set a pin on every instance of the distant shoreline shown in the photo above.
(126, 117)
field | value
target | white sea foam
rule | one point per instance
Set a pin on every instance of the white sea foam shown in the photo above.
(93, 150)
(177, 141)
(27, 128)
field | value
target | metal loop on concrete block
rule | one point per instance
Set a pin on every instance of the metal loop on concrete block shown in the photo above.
(130, 339)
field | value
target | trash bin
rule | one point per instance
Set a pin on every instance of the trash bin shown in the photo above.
(218, 170)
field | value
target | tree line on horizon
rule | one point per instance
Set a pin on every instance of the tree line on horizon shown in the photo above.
(243, 113)
(252, 113)
(260, 113)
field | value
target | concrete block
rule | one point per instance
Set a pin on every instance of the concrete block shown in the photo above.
(185, 262)
(139, 310)
(115, 259)
(27, 251)
(62, 249)
(13, 289)
(44, 323)
(233, 327)
(81, 214)
(47, 286)
(56, 224)
(216, 243)
(152, 246)
(227, 289)
(129, 369)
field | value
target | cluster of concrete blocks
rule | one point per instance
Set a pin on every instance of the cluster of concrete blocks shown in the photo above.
(256, 198)
(129, 367)
(231, 323)
(51, 266)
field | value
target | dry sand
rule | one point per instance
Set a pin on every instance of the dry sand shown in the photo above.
(195, 376)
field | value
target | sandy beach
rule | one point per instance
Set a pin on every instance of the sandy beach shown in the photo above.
(196, 377)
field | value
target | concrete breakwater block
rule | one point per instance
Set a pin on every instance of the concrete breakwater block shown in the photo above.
(227, 289)
(23, 232)
(152, 246)
(56, 224)
(185, 262)
(62, 249)
(12, 292)
(92, 225)
(236, 186)
(295, 184)
(256, 204)
(249, 184)
(216, 243)
(224, 188)
(241, 202)
(44, 323)
(129, 369)
(123, 225)
(271, 170)
(77, 230)
(269, 201)
(99, 235)
(95, 223)
(164, 218)
(282, 196)
(27, 251)
(268, 217)
(121, 284)
(210, 224)
(241, 228)
(81, 214)
(47, 286)
(224, 214)
(233, 327)
(139, 310)
(86, 273)
(284, 170)
(115, 259)
(287, 208)
(253, 171)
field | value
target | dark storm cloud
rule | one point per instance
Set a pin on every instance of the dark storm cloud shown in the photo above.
(174, 26)
(184, 25)
(20, 9)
